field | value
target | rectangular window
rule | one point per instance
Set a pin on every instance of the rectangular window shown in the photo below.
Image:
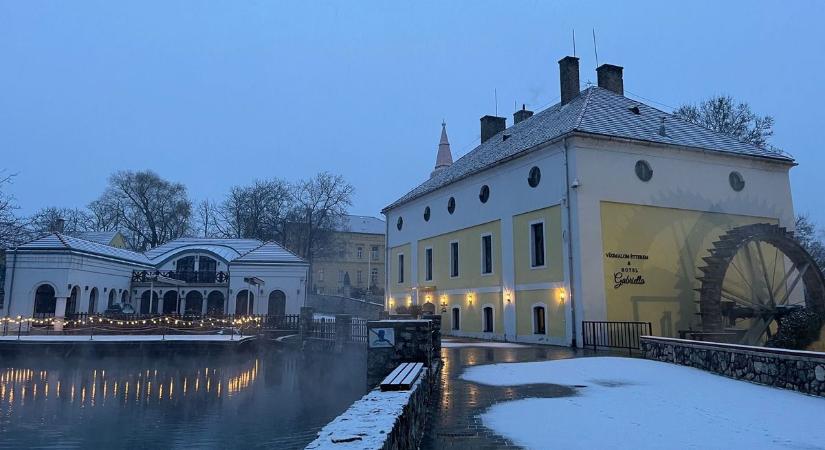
(453, 259)
(358, 277)
(320, 274)
(374, 276)
(487, 254)
(537, 244)
(374, 252)
(400, 268)
(428, 264)
(488, 319)
(340, 276)
(456, 319)
(360, 252)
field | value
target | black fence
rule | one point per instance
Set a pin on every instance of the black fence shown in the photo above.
(326, 329)
(618, 335)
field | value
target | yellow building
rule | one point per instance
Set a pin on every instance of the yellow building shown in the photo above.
(355, 264)
(599, 208)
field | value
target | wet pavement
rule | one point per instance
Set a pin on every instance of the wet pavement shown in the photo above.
(454, 421)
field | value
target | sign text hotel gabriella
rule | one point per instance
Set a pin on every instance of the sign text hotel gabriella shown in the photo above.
(627, 273)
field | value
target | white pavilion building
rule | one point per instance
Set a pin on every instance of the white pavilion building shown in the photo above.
(60, 275)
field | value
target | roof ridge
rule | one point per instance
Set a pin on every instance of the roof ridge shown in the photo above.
(586, 103)
(63, 241)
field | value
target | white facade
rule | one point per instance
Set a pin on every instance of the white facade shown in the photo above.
(187, 276)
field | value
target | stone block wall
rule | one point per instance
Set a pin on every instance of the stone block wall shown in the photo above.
(413, 343)
(787, 369)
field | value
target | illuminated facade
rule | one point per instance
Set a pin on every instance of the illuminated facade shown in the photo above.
(597, 208)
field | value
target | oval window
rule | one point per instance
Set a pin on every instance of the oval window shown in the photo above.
(737, 181)
(400, 223)
(451, 205)
(535, 177)
(427, 214)
(484, 194)
(643, 170)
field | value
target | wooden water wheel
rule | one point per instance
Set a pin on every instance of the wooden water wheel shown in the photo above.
(755, 275)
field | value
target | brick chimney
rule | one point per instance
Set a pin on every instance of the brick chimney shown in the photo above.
(569, 77)
(58, 225)
(491, 125)
(610, 78)
(522, 114)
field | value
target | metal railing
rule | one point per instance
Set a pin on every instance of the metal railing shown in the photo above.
(188, 276)
(619, 335)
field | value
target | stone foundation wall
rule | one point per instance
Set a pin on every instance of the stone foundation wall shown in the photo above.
(391, 420)
(787, 369)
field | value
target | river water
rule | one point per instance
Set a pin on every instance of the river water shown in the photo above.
(277, 399)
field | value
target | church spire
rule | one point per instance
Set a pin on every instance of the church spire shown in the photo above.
(444, 158)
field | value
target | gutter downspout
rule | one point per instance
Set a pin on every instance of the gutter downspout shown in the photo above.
(569, 245)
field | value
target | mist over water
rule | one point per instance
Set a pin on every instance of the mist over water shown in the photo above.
(275, 399)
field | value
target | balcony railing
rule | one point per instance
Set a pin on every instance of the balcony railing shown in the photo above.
(200, 277)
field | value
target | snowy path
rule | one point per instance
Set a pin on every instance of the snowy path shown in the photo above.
(640, 404)
(126, 338)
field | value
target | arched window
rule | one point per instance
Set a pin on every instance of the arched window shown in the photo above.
(214, 303)
(44, 300)
(488, 319)
(93, 301)
(185, 269)
(148, 306)
(112, 298)
(277, 303)
(539, 320)
(207, 269)
(456, 319)
(170, 302)
(244, 302)
(124, 297)
(71, 302)
(194, 303)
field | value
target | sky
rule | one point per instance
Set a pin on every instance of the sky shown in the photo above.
(215, 94)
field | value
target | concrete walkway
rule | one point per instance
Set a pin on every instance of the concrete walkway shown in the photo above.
(454, 421)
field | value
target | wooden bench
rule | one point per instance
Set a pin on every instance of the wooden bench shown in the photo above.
(403, 377)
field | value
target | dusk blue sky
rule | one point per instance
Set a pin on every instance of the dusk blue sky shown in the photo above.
(214, 94)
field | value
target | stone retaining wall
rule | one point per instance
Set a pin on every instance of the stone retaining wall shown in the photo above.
(391, 420)
(787, 369)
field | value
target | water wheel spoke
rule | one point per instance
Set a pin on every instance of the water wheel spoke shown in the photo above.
(759, 325)
(768, 286)
(741, 300)
(745, 281)
(798, 277)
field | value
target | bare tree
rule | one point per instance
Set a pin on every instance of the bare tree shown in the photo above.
(721, 113)
(12, 230)
(206, 218)
(811, 238)
(320, 205)
(75, 220)
(259, 211)
(148, 208)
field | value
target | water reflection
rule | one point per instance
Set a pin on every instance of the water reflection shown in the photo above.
(277, 400)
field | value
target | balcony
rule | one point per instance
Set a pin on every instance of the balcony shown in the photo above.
(189, 277)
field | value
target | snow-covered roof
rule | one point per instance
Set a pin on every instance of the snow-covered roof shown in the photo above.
(101, 237)
(241, 250)
(270, 252)
(362, 224)
(58, 241)
(597, 112)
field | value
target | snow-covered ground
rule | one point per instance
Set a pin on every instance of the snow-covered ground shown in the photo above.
(445, 343)
(127, 338)
(641, 404)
